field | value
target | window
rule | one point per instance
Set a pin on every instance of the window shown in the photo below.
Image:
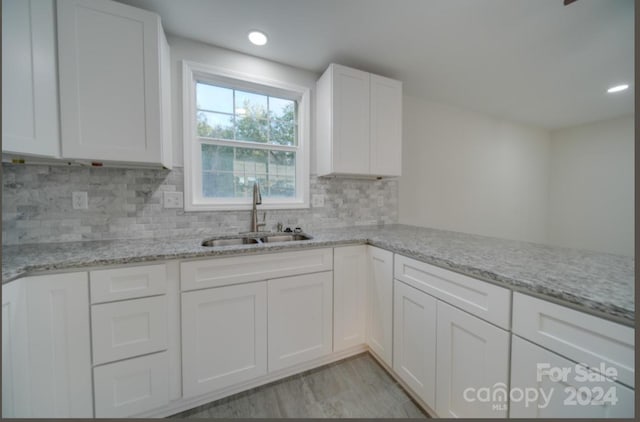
(240, 130)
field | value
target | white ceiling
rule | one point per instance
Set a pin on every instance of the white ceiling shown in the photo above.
(531, 61)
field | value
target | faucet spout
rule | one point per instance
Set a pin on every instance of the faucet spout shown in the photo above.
(257, 200)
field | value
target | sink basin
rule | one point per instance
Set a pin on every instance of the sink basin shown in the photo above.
(230, 241)
(285, 237)
(255, 238)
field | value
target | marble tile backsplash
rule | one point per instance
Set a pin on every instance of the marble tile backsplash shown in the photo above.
(127, 203)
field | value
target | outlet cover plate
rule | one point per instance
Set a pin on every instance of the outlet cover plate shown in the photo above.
(80, 200)
(173, 200)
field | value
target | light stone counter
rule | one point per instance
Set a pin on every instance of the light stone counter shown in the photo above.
(602, 284)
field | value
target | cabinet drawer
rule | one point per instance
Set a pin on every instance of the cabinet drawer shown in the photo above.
(131, 386)
(130, 328)
(576, 335)
(533, 367)
(242, 269)
(479, 298)
(128, 283)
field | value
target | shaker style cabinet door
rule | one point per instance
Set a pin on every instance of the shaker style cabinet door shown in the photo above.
(46, 347)
(29, 79)
(224, 337)
(111, 64)
(349, 296)
(414, 340)
(300, 319)
(386, 127)
(350, 121)
(472, 354)
(16, 401)
(380, 303)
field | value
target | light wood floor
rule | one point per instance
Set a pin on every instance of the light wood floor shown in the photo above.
(356, 387)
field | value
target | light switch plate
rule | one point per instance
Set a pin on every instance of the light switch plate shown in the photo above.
(80, 200)
(317, 201)
(173, 200)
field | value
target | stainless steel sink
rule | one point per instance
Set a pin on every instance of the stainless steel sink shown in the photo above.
(230, 241)
(285, 237)
(255, 238)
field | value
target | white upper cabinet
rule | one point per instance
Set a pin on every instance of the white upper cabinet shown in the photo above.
(114, 83)
(359, 123)
(29, 79)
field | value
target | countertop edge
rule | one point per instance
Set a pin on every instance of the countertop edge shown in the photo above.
(604, 310)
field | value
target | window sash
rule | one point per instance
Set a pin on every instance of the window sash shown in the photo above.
(194, 200)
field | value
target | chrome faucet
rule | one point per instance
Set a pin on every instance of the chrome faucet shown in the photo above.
(257, 200)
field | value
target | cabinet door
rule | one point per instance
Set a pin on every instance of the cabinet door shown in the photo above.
(386, 126)
(472, 354)
(29, 78)
(224, 337)
(59, 345)
(300, 319)
(414, 340)
(16, 402)
(349, 296)
(572, 396)
(109, 68)
(350, 120)
(380, 303)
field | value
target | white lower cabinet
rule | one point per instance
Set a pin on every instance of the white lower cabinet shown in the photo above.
(547, 385)
(15, 351)
(52, 373)
(472, 354)
(300, 319)
(349, 296)
(380, 303)
(414, 340)
(132, 386)
(224, 337)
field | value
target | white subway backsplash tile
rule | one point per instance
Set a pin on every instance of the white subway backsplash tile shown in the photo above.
(127, 203)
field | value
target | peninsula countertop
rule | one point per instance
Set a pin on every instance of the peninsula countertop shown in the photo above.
(598, 283)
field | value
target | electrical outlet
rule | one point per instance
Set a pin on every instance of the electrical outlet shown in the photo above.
(80, 200)
(381, 201)
(317, 201)
(173, 200)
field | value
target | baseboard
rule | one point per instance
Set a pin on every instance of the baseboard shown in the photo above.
(182, 404)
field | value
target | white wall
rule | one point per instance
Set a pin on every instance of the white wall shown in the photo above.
(186, 49)
(468, 172)
(592, 186)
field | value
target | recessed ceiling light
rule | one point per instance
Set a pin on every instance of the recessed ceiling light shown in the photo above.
(617, 88)
(258, 37)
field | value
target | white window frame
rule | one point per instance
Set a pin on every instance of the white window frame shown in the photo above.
(194, 201)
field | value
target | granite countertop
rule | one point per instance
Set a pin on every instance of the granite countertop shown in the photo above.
(602, 284)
